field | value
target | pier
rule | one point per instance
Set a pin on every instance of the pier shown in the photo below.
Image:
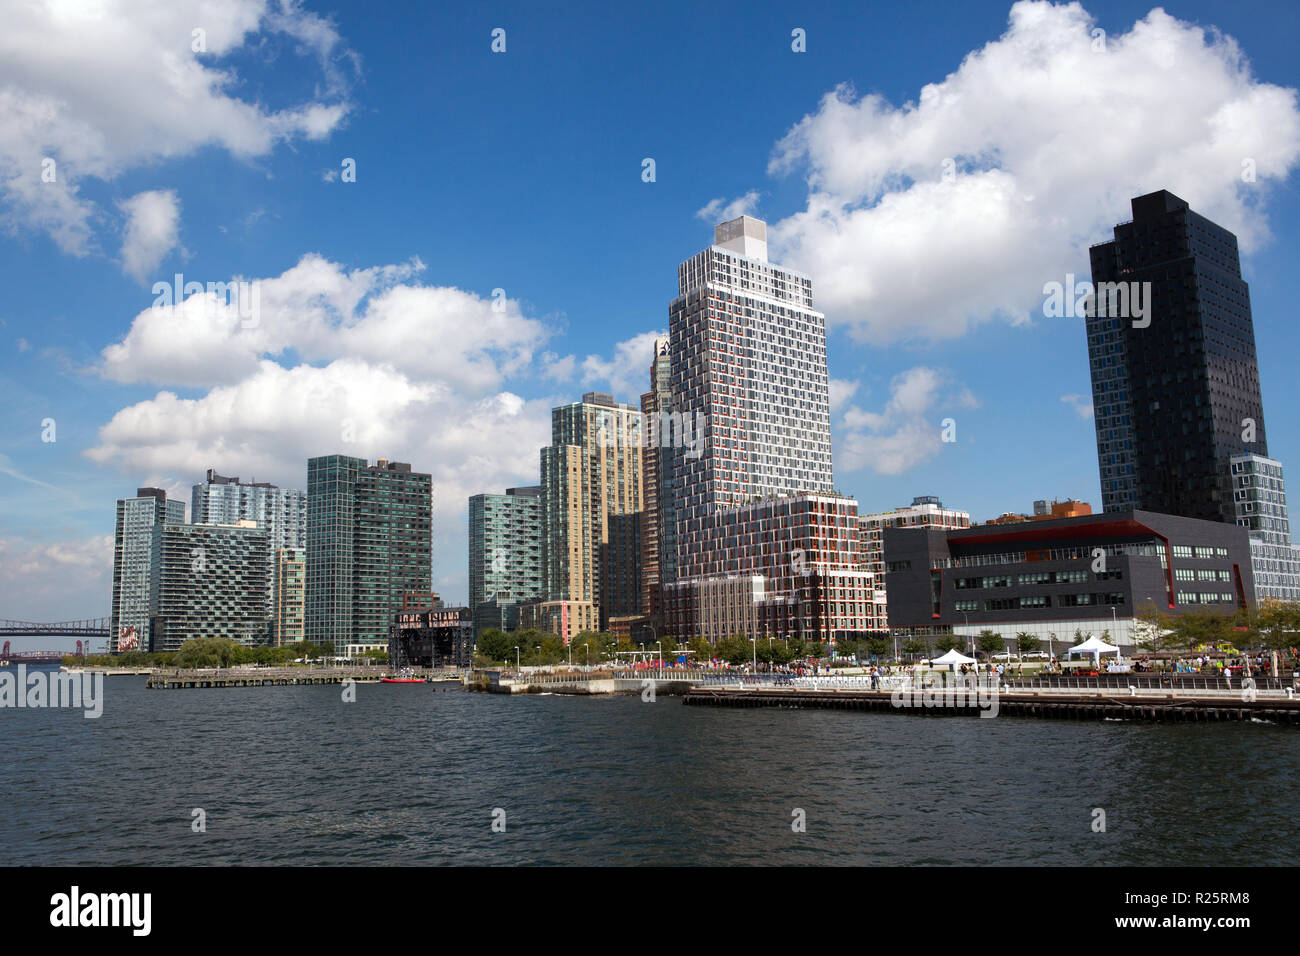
(286, 677)
(667, 682)
(1052, 705)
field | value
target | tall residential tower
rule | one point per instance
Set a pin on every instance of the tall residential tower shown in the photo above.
(133, 582)
(765, 546)
(1179, 417)
(591, 494)
(505, 556)
(369, 541)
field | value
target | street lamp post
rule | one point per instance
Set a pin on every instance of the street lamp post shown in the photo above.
(660, 645)
(754, 641)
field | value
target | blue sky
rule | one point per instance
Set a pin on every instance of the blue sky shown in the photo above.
(522, 171)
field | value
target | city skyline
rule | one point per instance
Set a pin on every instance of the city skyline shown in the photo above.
(489, 397)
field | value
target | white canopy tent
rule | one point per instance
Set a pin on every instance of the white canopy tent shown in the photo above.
(952, 659)
(1094, 646)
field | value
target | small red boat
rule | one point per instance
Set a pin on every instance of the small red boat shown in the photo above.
(401, 680)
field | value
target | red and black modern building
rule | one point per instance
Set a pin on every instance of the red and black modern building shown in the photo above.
(1052, 578)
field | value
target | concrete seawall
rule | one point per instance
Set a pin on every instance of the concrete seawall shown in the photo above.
(582, 688)
(1062, 706)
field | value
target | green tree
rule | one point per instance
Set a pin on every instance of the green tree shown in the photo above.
(947, 642)
(879, 646)
(914, 647)
(1277, 624)
(703, 650)
(990, 642)
(494, 646)
(781, 653)
(1026, 643)
(735, 649)
(208, 652)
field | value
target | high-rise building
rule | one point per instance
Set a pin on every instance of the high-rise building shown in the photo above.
(748, 357)
(1259, 495)
(289, 603)
(755, 498)
(137, 517)
(505, 556)
(925, 511)
(209, 581)
(369, 540)
(658, 526)
(782, 567)
(1176, 391)
(281, 512)
(590, 473)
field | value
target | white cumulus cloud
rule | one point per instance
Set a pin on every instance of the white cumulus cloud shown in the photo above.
(1081, 404)
(926, 218)
(34, 575)
(908, 430)
(625, 374)
(152, 230)
(720, 210)
(363, 362)
(93, 89)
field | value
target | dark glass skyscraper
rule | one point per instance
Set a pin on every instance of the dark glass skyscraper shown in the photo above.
(1177, 398)
(369, 540)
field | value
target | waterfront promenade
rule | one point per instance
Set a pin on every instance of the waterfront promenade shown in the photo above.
(227, 677)
(1127, 697)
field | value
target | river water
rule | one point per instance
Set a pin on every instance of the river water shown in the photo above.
(416, 774)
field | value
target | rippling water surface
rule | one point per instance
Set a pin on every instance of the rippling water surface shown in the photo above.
(411, 774)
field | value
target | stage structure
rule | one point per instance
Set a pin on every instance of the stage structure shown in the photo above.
(432, 637)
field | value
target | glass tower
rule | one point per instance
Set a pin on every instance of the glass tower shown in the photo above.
(505, 555)
(1178, 412)
(282, 512)
(369, 541)
(129, 625)
(1177, 398)
(209, 580)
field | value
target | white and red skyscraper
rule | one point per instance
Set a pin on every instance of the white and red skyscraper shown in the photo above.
(764, 544)
(749, 355)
